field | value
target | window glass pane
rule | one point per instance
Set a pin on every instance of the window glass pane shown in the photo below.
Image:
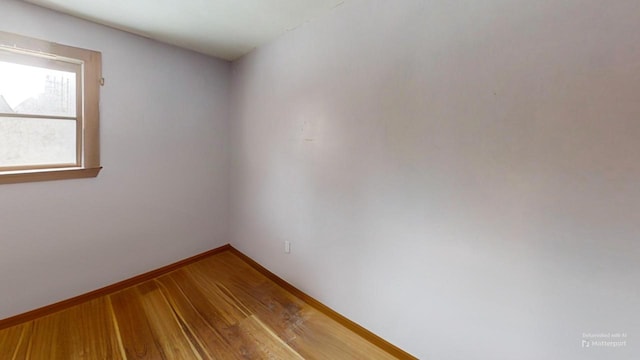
(26, 142)
(26, 89)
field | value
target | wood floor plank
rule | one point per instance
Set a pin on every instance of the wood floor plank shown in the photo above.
(148, 325)
(22, 351)
(310, 333)
(223, 317)
(13, 339)
(203, 326)
(72, 334)
(266, 343)
(116, 327)
(217, 308)
(283, 313)
(137, 337)
(171, 335)
(211, 299)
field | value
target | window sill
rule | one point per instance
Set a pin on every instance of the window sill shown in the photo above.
(13, 177)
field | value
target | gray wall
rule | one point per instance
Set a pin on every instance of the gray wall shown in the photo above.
(460, 177)
(163, 193)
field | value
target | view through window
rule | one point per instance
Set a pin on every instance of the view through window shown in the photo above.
(38, 123)
(49, 119)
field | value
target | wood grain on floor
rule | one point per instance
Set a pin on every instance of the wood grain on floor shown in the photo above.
(216, 308)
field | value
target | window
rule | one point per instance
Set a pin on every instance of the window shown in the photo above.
(49, 116)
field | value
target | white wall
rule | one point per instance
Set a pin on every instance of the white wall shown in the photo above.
(460, 177)
(163, 193)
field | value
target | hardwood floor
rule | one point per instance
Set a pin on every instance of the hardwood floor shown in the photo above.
(216, 308)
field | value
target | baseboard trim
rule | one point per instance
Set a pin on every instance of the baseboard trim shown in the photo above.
(64, 304)
(363, 332)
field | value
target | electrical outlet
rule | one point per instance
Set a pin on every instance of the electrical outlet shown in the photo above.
(287, 247)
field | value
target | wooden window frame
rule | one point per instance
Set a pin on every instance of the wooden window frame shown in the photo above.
(88, 113)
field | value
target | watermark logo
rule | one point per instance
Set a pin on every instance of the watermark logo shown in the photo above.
(604, 340)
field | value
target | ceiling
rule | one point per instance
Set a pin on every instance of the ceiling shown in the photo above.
(226, 29)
